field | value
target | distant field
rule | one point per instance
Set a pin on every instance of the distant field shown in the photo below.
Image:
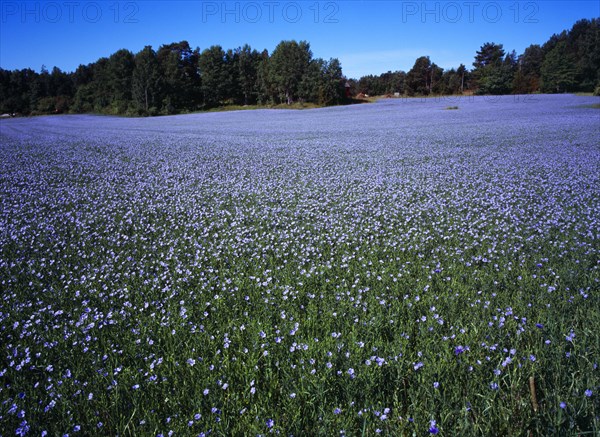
(392, 268)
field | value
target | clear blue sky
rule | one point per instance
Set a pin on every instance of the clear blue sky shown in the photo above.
(368, 37)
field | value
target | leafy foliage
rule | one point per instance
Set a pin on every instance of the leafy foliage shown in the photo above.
(289, 63)
(394, 269)
(177, 78)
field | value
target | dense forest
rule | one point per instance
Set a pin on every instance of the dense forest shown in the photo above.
(567, 62)
(176, 78)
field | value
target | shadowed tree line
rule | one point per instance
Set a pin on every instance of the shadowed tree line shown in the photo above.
(176, 78)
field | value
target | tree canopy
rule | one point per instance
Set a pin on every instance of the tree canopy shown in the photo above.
(178, 78)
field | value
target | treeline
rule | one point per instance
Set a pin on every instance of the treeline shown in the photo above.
(567, 62)
(177, 78)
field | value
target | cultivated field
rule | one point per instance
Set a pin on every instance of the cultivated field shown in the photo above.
(396, 268)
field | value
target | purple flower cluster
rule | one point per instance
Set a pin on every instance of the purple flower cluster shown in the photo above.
(335, 246)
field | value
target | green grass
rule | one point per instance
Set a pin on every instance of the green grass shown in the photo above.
(304, 313)
(328, 300)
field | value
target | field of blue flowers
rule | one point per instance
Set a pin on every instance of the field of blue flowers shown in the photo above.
(393, 268)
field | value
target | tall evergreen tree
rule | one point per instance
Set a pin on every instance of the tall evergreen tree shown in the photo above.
(288, 64)
(332, 88)
(94, 94)
(120, 73)
(181, 81)
(527, 76)
(418, 79)
(146, 81)
(452, 81)
(436, 84)
(214, 75)
(558, 70)
(311, 84)
(264, 87)
(584, 40)
(248, 64)
(493, 73)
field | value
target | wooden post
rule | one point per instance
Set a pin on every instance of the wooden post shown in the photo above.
(534, 402)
